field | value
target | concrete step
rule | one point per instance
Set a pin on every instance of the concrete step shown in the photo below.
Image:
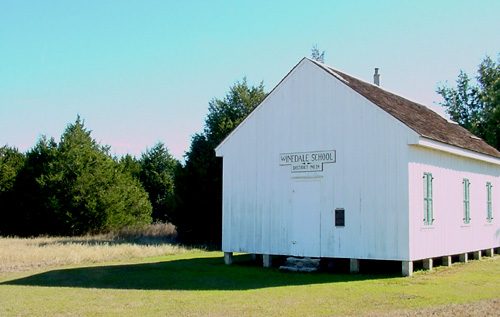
(300, 264)
(298, 269)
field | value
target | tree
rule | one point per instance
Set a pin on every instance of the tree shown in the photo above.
(225, 114)
(157, 172)
(86, 190)
(130, 165)
(11, 162)
(489, 83)
(68, 188)
(476, 105)
(317, 55)
(199, 183)
(198, 216)
(32, 212)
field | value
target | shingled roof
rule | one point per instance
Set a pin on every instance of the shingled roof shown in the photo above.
(417, 117)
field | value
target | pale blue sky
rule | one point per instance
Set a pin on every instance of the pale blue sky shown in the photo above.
(139, 72)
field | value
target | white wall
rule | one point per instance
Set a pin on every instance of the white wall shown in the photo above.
(311, 110)
(449, 235)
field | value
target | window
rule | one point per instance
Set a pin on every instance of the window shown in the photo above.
(428, 216)
(339, 217)
(489, 207)
(466, 184)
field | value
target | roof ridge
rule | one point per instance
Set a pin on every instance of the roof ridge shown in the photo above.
(343, 73)
(416, 116)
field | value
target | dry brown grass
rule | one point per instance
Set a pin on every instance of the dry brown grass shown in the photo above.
(23, 254)
(151, 234)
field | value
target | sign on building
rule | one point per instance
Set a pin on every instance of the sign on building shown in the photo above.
(307, 161)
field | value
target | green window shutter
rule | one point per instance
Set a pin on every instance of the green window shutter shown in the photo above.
(425, 198)
(468, 201)
(430, 216)
(489, 206)
(466, 184)
(428, 199)
(464, 201)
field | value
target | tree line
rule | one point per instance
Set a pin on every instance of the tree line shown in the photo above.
(75, 186)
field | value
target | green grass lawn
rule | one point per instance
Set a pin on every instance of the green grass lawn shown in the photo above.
(198, 283)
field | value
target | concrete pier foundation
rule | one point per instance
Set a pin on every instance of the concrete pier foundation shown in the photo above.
(407, 268)
(446, 260)
(354, 265)
(427, 263)
(267, 260)
(228, 258)
(489, 252)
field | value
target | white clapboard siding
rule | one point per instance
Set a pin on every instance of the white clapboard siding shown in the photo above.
(311, 110)
(449, 234)
(377, 177)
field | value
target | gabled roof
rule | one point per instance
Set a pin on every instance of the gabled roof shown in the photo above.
(417, 117)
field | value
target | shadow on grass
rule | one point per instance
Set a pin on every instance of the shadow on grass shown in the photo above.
(185, 274)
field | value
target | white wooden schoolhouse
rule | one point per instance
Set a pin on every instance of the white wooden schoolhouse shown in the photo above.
(330, 166)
